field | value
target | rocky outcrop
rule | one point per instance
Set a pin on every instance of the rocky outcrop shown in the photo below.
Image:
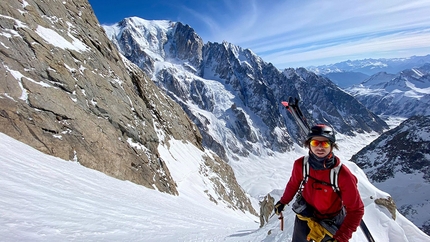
(267, 204)
(234, 195)
(186, 45)
(66, 91)
(389, 204)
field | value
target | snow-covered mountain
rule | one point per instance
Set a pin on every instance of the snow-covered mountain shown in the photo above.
(349, 73)
(404, 94)
(232, 95)
(372, 66)
(398, 162)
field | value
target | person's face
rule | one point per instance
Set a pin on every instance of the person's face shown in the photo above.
(320, 146)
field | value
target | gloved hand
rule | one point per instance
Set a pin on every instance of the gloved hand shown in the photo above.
(331, 240)
(279, 207)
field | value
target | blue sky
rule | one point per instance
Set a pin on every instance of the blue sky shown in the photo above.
(292, 33)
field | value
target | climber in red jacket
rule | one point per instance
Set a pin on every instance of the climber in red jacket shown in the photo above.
(316, 198)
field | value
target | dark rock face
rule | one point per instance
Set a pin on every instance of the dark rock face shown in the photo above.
(66, 91)
(403, 149)
(326, 103)
(186, 45)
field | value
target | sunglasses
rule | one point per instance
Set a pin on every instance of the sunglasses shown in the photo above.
(324, 144)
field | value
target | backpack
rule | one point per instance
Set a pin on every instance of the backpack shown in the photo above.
(334, 175)
(300, 205)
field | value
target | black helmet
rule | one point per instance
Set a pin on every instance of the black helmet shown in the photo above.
(322, 130)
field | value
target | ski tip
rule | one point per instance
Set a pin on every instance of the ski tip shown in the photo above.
(285, 104)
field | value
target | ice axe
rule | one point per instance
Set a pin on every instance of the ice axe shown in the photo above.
(281, 217)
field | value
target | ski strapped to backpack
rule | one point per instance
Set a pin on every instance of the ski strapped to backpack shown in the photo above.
(293, 107)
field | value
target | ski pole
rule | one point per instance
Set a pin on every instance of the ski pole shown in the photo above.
(366, 231)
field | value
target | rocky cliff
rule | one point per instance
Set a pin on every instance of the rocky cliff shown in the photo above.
(66, 91)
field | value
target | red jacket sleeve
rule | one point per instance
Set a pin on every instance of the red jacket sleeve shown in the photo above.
(353, 204)
(293, 184)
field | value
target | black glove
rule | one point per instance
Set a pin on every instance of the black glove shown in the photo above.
(279, 207)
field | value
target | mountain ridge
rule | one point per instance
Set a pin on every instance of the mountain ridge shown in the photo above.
(372, 66)
(383, 161)
(404, 94)
(255, 87)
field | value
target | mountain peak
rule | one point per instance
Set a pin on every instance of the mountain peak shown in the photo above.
(138, 23)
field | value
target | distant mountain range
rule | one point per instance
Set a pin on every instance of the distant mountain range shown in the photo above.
(372, 66)
(403, 94)
(397, 86)
(348, 73)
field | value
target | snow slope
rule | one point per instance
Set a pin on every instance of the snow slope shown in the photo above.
(48, 199)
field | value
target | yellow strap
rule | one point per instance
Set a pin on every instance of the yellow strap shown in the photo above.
(317, 232)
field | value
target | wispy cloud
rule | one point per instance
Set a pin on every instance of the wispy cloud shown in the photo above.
(292, 34)
(387, 46)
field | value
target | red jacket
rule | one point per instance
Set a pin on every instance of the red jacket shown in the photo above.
(324, 199)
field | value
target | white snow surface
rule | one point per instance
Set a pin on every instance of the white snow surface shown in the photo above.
(51, 36)
(44, 198)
